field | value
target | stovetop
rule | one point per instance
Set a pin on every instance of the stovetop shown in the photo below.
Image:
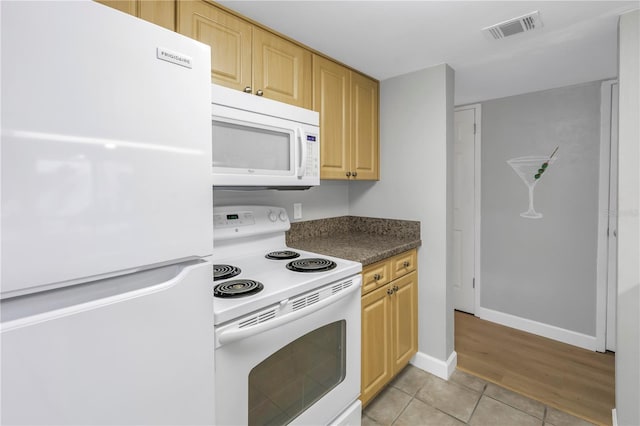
(279, 283)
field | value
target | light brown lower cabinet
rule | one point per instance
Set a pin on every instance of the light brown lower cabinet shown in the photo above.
(389, 321)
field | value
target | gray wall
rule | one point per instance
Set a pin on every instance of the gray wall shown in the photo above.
(542, 269)
(416, 121)
(628, 338)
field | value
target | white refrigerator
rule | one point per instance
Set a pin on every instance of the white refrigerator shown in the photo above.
(106, 280)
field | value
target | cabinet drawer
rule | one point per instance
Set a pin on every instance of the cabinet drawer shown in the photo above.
(403, 263)
(375, 275)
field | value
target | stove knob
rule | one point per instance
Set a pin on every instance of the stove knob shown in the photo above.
(283, 216)
(272, 216)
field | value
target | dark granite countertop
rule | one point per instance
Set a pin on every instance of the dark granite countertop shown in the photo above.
(361, 239)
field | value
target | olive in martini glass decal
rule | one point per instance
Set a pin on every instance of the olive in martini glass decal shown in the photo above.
(531, 169)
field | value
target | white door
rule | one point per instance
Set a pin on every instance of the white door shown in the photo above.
(464, 207)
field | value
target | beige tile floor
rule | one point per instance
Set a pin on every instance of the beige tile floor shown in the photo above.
(417, 398)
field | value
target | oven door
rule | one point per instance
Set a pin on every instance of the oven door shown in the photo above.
(300, 366)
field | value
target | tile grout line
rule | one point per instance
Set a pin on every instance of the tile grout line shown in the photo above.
(545, 406)
(438, 409)
(493, 398)
(484, 388)
(404, 409)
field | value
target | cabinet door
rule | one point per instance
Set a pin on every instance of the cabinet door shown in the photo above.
(159, 12)
(405, 320)
(364, 128)
(229, 38)
(332, 99)
(281, 69)
(376, 335)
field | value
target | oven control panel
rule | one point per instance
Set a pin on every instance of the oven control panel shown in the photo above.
(234, 219)
(242, 221)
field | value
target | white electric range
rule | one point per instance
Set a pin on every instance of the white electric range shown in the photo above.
(287, 325)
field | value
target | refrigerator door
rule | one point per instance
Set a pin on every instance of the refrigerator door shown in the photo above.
(106, 145)
(133, 350)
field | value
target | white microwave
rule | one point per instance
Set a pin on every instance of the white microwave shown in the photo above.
(262, 143)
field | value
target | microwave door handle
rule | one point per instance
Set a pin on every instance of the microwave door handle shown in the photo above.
(303, 153)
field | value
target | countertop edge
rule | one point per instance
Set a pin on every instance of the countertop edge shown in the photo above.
(366, 261)
(355, 255)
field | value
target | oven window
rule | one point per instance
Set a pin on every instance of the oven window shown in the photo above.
(245, 147)
(288, 382)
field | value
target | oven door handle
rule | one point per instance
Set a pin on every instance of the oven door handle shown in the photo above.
(233, 335)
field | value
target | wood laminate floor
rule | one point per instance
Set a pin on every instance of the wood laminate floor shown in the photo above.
(566, 377)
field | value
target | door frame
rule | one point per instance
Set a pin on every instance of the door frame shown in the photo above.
(605, 315)
(477, 151)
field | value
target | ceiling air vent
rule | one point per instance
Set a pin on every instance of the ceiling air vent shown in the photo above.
(527, 22)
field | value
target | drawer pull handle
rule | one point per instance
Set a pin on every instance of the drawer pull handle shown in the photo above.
(259, 92)
(389, 291)
(247, 89)
(406, 264)
(395, 288)
(376, 277)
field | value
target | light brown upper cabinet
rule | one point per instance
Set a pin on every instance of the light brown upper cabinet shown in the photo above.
(245, 57)
(365, 145)
(348, 105)
(159, 12)
(228, 36)
(281, 69)
(332, 99)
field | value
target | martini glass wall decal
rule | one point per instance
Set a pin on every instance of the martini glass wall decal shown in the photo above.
(531, 169)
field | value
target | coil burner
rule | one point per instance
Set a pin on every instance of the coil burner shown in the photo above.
(282, 255)
(237, 288)
(222, 272)
(311, 265)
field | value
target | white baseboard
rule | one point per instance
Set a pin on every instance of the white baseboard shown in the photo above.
(545, 330)
(435, 366)
(614, 417)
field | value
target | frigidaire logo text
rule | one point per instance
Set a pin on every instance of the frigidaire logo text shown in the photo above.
(175, 58)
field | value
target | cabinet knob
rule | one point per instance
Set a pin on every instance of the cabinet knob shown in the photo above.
(395, 288)
(389, 291)
(406, 264)
(376, 277)
(247, 89)
(259, 92)
(348, 174)
(355, 174)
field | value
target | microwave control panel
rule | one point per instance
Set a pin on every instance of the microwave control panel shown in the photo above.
(312, 166)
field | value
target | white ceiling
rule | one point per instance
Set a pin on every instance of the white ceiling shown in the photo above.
(577, 43)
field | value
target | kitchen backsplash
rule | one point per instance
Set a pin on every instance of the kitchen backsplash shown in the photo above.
(330, 199)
